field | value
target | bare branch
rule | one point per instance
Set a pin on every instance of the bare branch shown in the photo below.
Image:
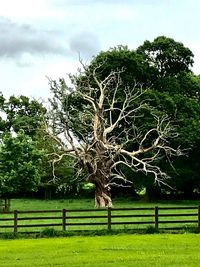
(102, 131)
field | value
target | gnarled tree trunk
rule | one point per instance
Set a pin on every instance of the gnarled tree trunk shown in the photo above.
(102, 196)
(102, 190)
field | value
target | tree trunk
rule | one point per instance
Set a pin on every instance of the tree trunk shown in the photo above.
(100, 178)
(5, 205)
(102, 196)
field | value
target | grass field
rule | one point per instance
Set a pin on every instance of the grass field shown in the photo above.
(109, 251)
(35, 204)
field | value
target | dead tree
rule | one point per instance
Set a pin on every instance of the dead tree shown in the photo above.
(95, 121)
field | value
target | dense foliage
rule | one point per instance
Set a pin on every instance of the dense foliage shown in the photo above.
(24, 162)
(20, 164)
(163, 68)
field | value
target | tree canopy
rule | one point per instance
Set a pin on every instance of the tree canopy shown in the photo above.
(167, 56)
(20, 164)
(21, 113)
(20, 160)
(172, 88)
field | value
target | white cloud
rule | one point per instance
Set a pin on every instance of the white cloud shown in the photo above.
(17, 39)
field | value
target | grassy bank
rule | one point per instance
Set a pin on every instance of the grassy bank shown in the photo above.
(110, 251)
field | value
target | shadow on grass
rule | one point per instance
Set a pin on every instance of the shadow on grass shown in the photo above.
(51, 233)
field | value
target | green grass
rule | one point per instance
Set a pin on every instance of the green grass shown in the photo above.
(34, 204)
(37, 204)
(109, 251)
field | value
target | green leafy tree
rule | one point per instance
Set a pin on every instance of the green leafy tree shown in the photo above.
(175, 89)
(165, 66)
(121, 58)
(21, 113)
(167, 56)
(20, 164)
(56, 178)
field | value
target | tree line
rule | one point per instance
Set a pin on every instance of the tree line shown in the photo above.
(134, 114)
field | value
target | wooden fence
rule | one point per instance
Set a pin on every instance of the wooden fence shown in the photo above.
(110, 218)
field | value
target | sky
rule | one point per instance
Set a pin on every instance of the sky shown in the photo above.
(44, 38)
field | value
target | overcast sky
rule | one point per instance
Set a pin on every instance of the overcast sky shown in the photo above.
(40, 38)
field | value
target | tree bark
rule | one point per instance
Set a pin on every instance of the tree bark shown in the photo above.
(102, 194)
(5, 205)
(102, 191)
(102, 198)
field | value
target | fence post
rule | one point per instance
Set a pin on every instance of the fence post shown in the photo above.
(15, 221)
(64, 219)
(109, 218)
(198, 218)
(156, 218)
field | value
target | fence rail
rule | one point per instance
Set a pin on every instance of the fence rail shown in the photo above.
(110, 218)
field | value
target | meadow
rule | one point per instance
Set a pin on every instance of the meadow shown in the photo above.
(111, 251)
(79, 203)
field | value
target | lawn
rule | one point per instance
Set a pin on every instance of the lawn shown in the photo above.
(109, 251)
(37, 204)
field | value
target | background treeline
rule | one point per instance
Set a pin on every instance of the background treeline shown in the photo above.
(163, 68)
